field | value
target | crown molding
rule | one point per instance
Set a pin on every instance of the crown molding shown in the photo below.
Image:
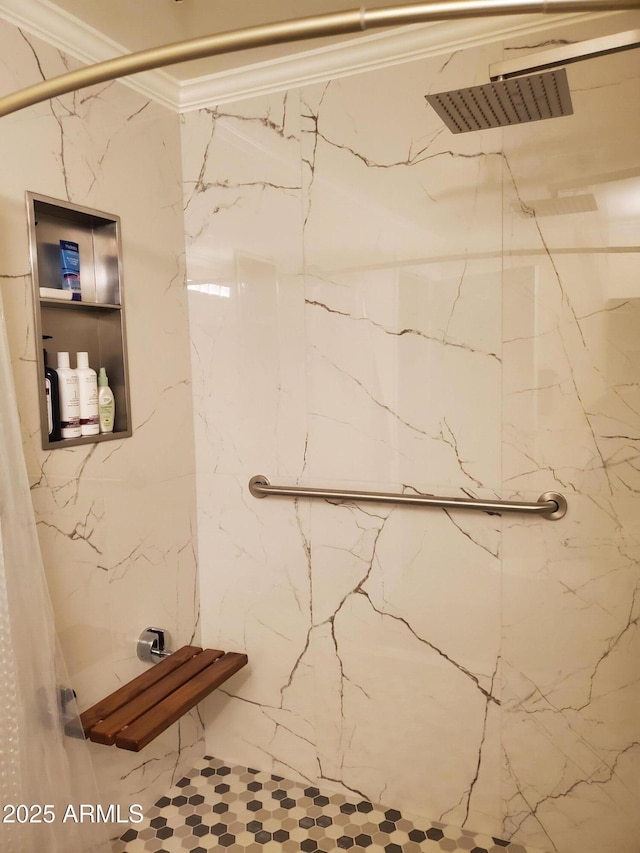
(72, 36)
(366, 53)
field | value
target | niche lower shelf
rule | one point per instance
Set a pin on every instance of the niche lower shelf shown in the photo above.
(140, 710)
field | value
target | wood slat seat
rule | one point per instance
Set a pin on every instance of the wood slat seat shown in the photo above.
(136, 713)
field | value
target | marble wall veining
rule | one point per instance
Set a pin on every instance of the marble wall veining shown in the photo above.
(116, 520)
(571, 418)
(375, 303)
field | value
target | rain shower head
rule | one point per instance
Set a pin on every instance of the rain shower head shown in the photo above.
(524, 90)
(504, 102)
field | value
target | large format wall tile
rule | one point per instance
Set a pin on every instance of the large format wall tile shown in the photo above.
(243, 225)
(570, 638)
(116, 520)
(382, 377)
(437, 334)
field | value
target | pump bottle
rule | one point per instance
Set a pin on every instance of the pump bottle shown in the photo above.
(69, 398)
(88, 387)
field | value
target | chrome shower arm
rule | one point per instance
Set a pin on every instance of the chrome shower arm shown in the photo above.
(568, 53)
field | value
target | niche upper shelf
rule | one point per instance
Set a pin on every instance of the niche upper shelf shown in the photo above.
(96, 324)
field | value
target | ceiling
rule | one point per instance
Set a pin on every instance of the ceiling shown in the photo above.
(140, 24)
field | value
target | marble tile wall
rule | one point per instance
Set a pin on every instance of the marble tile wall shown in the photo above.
(116, 520)
(374, 305)
(571, 422)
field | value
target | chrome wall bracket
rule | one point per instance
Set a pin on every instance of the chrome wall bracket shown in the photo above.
(153, 645)
(549, 498)
(68, 713)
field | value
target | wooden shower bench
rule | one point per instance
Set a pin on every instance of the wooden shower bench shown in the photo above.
(142, 709)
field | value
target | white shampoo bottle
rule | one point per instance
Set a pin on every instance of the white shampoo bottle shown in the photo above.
(106, 403)
(88, 387)
(69, 396)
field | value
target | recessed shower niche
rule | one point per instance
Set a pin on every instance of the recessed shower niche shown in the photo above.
(96, 322)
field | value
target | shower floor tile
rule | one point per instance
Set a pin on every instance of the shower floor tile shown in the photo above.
(234, 809)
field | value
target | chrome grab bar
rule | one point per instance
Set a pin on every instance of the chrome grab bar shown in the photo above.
(550, 505)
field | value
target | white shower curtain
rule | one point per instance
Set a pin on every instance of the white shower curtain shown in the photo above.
(44, 775)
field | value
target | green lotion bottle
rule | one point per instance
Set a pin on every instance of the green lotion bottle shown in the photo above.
(106, 403)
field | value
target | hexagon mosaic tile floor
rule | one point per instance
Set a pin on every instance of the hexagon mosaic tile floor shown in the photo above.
(237, 810)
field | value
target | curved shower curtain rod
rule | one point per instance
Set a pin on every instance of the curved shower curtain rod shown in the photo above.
(297, 29)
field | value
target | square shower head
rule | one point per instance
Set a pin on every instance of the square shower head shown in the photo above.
(505, 102)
